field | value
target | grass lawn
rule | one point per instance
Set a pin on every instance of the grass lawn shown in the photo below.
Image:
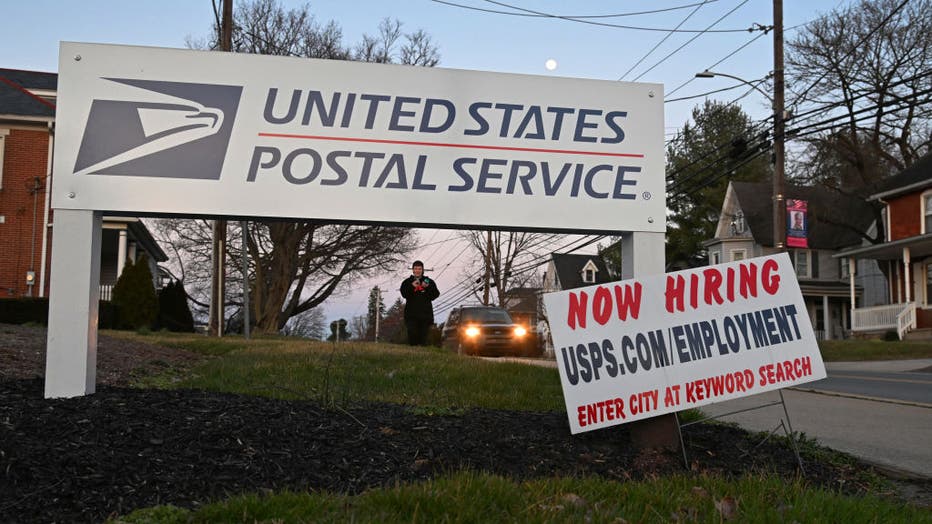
(436, 381)
(350, 372)
(857, 350)
(476, 497)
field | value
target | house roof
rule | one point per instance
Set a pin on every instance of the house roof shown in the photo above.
(17, 98)
(835, 220)
(915, 177)
(570, 266)
(142, 235)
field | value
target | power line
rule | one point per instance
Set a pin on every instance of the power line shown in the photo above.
(701, 95)
(708, 29)
(792, 134)
(619, 26)
(726, 57)
(811, 114)
(833, 105)
(741, 47)
(662, 40)
(533, 15)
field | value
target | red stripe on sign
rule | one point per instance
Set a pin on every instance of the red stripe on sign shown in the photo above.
(443, 144)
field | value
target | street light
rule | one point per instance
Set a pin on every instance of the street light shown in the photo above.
(713, 74)
(776, 102)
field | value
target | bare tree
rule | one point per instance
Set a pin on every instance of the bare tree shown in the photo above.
(358, 326)
(310, 324)
(418, 48)
(295, 266)
(868, 67)
(507, 254)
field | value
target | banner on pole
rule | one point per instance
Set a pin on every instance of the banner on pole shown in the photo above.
(797, 223)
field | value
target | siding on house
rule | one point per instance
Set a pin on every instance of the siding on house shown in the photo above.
(904, 216)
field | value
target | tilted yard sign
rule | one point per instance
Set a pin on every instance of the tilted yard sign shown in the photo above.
(173, 132)
(644, 347)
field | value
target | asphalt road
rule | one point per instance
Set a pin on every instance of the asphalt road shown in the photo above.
(913, 388)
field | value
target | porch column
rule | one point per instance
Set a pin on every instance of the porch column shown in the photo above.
(891, 282)
(899, 284)
(121, 253)
(826, 317)
(906, 264)
(851, 266)
(132, 251)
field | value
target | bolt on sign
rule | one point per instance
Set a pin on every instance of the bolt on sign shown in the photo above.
(182, 132)
(640, 348)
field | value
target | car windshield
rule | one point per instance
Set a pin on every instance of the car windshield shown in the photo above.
(492, 316)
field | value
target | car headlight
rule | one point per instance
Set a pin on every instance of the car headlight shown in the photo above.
(520, 331)
(472, 331)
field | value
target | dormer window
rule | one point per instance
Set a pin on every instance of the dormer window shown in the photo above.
(588, 273)
(738, 226)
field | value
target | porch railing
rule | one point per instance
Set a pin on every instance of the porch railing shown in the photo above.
(878, 318)
(906, 320)
(106, 292)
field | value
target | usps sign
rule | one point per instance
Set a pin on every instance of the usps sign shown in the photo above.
(640, 348)
(181, 132)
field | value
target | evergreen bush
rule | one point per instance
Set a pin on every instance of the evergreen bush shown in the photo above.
(134, 296)
(174, 312)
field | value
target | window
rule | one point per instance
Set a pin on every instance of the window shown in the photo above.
(3, 134)
(927, 212)
(738, 254)
(716, 258)
(588, 273)
(737, 224)
(801, 261)
(843, 268)
(928, 282)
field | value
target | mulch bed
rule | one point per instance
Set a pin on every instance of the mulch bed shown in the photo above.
(87, 458)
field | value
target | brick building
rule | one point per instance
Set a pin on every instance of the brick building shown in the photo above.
(27, 131)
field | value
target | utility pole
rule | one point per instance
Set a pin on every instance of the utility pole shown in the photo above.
(488, 268)
(218, 258)
(378, 312)
(246, 319)
(779, 131)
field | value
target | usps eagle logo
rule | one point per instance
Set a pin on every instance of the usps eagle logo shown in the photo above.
(170, 130)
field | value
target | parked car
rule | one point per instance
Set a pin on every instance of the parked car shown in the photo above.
(485, 330)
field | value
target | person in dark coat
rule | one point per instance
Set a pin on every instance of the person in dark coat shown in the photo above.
(418, 291)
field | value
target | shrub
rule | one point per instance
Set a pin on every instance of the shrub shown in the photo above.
(134, 296)
(174, 313)
(23, 310)
(35, 311)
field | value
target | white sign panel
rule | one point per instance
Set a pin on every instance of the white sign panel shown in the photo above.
(640, 348)
(169, 131)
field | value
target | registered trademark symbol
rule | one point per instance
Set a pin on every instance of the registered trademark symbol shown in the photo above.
(645, 195)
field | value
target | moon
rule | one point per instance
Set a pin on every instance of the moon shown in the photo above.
(550, 64)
